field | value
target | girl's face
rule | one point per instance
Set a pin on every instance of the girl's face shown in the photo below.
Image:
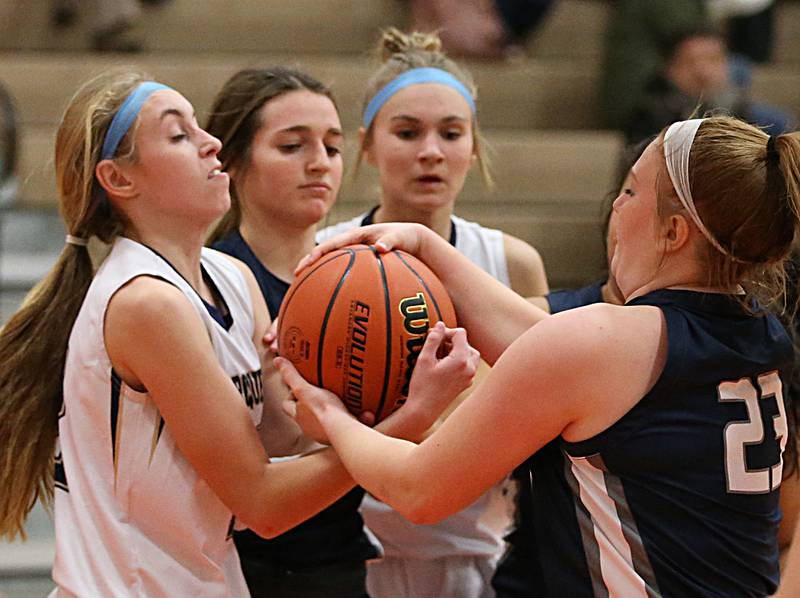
(637, 252)
(422, 145)
(176, 168)
(295, 166)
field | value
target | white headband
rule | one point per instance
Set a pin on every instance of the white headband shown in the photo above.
(677, 146)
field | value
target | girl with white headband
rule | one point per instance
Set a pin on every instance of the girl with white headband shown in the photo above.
(669, 411)
(420, 131)
(151, 371)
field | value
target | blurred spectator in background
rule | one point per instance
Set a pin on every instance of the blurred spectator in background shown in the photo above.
(638, 31)
(697, 76)
(479, 28)
(109, 21)
(640, 39)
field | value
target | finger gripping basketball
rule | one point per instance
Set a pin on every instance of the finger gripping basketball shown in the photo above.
(355, 321)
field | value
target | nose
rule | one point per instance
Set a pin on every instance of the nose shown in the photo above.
(209, 145)
(319, 160)
(431, 150)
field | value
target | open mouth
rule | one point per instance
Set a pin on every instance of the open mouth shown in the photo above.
(430, 178)
(215, 172)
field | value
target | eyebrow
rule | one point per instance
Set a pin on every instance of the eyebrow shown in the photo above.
(307, 129)
(173, 112)
(446, 119)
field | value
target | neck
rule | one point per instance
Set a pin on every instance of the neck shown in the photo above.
(276, 246)
(438, 220)
(181, 250)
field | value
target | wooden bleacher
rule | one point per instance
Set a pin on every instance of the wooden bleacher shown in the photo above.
(552, 163)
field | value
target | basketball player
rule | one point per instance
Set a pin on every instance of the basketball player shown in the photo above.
(668, 410)
(420, 131)
(162, 382)
(281, 140)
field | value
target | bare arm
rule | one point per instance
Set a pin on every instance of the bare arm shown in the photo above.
(559, 378)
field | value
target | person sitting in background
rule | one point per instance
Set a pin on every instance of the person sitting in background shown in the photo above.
(696, 77)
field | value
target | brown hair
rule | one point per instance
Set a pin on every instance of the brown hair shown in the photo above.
(749, 200)
(235, 120)
(33, 344)
(400, 52)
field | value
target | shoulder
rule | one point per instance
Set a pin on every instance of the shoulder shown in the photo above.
(607, 355)
(525, 267)
(147, 301)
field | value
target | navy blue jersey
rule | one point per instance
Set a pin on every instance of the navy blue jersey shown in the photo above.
(569, 299)
(335, 534)
(679, 497)
(272, 287)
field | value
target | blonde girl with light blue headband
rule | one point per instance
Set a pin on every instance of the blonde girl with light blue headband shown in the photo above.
(146, 379)
(668, 414)
(420, 131)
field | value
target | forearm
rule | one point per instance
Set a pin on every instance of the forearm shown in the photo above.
(494, 315)
(295, 490)
(377, 462)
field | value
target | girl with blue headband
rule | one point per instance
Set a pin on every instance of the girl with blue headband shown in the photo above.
(420, 131)
(657, 428)
(147, 379)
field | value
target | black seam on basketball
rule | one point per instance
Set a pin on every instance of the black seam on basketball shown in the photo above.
(422, 282)
(288, 298)
(388, 367)
(328, 312)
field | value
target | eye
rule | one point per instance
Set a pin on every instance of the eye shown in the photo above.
(333, 150)
(452, 134)
(289, 148)
(628, 191)
(406, 133)
(179, 137)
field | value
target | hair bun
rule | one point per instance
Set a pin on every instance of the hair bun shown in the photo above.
(394, 42)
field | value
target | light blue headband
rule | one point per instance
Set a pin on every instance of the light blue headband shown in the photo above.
(125, 116)
(414, 77)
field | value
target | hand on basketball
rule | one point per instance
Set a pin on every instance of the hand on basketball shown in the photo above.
(307, 402)
(384, 237)
(445, 367)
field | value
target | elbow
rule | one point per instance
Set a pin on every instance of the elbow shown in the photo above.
(267, 531)
(422, 510)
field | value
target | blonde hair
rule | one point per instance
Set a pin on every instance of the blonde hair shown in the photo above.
(33, 344)
(400, 52)
(749, 200)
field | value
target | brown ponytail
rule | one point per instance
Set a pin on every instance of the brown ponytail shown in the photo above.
(33, 344)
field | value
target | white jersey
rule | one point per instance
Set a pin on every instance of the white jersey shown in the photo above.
(132, 516)
(479, 528)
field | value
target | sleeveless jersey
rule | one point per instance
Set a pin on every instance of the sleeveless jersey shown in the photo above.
(680, 496)
(477, 529)
(336, 533)
(132, 516)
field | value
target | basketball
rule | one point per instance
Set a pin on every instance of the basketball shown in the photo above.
(355, 321)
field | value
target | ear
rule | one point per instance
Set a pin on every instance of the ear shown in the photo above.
(113, 179)
(677, 233)
(365, 147)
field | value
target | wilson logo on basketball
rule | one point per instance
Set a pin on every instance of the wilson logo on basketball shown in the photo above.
(416, 323)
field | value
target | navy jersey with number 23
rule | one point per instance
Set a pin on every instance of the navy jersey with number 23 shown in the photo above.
(679, 497)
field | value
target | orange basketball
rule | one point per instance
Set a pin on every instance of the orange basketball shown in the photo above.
(355, 321)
